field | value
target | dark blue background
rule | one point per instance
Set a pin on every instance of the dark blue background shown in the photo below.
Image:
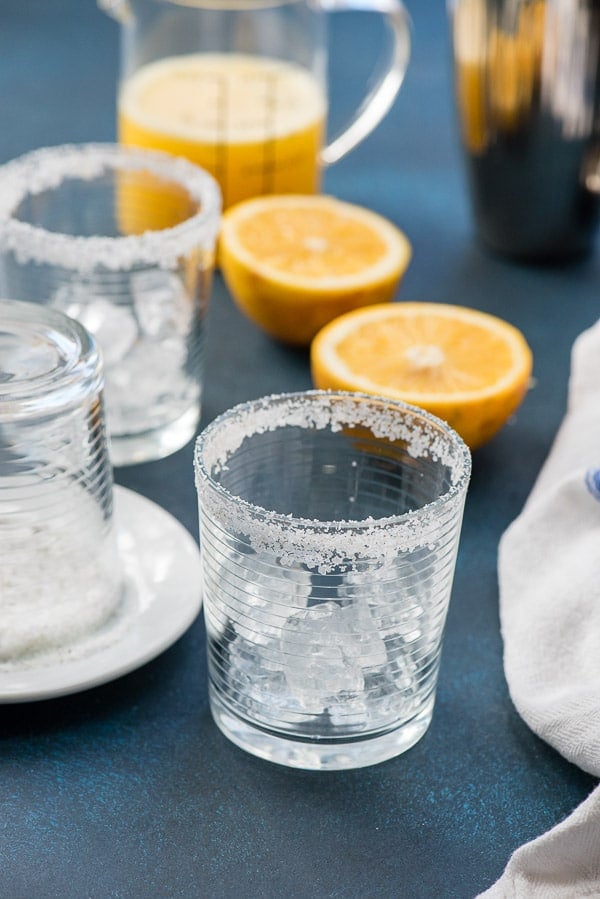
(129, 790)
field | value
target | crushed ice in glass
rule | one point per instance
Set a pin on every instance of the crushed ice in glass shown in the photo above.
(144, 346)
(355, 659)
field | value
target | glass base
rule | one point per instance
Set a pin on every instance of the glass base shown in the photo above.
(321, 755)
(148, 446)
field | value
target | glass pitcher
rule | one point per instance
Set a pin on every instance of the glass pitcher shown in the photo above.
(240, 86)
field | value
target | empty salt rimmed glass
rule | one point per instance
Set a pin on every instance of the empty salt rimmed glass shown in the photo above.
(329, 527)
(60, 575)
(122, 240)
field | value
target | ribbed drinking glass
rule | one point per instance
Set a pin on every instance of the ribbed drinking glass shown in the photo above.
(122, 240)
(60, 575)
(329, 531)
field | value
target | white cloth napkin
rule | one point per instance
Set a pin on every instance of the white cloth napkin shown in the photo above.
(549, 575)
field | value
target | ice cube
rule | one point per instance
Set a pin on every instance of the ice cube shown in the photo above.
(113, 326)
(161, 303)
(349, 711)
(152, 369)
(263, 600)
(396, 600)
(263, 692)
(363, 640)
(149, 385)
(318, 660)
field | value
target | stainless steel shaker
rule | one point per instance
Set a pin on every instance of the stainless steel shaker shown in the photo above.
(527, 84)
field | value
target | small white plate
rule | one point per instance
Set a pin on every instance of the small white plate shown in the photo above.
(162, 598)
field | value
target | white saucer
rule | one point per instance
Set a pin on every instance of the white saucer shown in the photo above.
(162, 598)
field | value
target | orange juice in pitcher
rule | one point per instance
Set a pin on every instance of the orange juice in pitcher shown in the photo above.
(256, 124)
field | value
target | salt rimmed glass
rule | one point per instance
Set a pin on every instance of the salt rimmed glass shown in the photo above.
(329, 527)
(60, 576)
(123, 240)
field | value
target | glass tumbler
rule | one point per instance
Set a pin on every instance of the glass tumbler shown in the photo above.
(60, 577)
(123, 241)
(329, 530)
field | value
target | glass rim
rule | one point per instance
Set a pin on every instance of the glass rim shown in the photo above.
(57, 389)
(461, 463)
(48, 167)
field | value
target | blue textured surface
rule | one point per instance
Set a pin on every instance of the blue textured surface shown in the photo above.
(129, 790)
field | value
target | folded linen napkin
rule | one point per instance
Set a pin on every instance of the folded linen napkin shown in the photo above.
(549, 576)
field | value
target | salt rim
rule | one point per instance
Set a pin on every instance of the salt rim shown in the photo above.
(79, 376)
(325, 545)
(47, 168)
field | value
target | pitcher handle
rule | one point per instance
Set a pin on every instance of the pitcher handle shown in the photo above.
(377, 103)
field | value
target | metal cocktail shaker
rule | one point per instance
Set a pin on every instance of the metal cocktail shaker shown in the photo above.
(527, 87)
